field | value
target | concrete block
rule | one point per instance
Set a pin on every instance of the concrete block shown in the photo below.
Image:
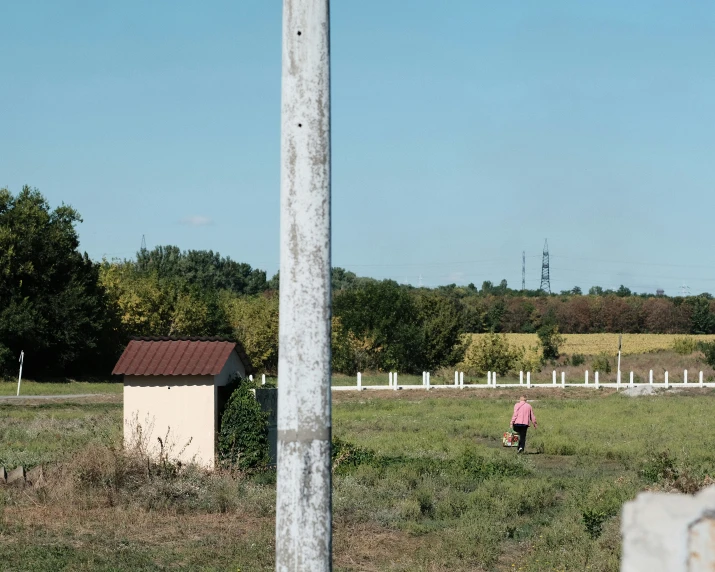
(16, 476)
(665, 532)
(35, 476)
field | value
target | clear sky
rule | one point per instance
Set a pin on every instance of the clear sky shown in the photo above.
(464, 132)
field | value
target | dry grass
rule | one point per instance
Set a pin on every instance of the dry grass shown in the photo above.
(595, 344)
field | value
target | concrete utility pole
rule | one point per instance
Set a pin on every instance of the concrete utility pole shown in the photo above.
(304, 506)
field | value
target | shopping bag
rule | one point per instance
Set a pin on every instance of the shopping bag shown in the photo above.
(510, 439)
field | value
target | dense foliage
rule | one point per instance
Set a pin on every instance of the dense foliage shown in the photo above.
(243, 437)
(52, 305)
(72, 315)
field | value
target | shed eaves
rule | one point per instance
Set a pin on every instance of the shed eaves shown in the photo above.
(175, 357)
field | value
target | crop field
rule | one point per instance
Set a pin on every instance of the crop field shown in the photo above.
(421, 483)
(594, 344)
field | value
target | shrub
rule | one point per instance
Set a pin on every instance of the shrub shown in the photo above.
(492, 352)
(550, 341)
(578, 359)
(684, 346)
(243, 439)
(708, 349)
(660, 467)
(601, 363)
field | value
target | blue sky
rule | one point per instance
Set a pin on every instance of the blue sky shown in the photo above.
(464, 133)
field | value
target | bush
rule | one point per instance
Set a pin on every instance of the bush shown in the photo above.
(243, 439)
(492, 352)
(550, 341)
(708, 349)
(578, 359)
(684, 346)
(601, 363)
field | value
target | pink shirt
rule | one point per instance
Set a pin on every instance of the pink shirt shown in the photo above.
(523, 414)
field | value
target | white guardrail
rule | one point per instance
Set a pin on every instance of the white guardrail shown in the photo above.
(525, 382)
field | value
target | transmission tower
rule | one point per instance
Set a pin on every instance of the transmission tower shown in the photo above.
(545, 280)
(523, 270)
(143, 248)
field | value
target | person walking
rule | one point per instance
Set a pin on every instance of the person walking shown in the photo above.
(520, 421)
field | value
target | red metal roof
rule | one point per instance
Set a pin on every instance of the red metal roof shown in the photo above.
(176, 357)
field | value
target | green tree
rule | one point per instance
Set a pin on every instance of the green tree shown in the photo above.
(492, 352)
(51, 303)
(550, 341)
(441, 324)
(254, 323)
(385, 313)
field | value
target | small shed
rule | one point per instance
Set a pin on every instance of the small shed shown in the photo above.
(173, 392)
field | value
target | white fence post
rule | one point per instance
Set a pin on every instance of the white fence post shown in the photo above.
(701, 379)
(666, 379)
(563, 379)
(585, 378)
(685, 376)
(521, 378)
(461, 379)
(389, 381)
(456, 378)
(494, 379)
(428, 386)
(595, 375)
(631, 380)
(250, 377)
(394, 381)
(424, 378)
(618, 377)
(263, 379)
(489, 378)
(553, 377)
(528, 379)
(359, 380)
(650, 377)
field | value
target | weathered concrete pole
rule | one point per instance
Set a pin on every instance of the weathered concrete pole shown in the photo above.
(303, 505)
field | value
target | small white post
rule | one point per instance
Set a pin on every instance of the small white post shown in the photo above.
(359, 381)
(701, 379)
(389, 381)
(685, 376)
(263, 379)
(563, 379)
(595, 375)
(650, 377)
(666, 379)
(394, 381)
(618, 377)
(456, 378)
(428, 385)
(528, 379)
(424, 378)
(19, 377)
(631, 380)
(585, 378)
(250, 377)
(461, 379)
(494, 379)
(553, 377)
(489, 378)
(521, 378)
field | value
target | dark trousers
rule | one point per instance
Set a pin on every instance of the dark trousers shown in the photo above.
(521, 431)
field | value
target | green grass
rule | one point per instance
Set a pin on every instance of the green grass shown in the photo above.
(59, 388)
(421, 483)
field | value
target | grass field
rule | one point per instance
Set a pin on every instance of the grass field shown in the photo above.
(421, 484)
(59, 388)
(594, 344)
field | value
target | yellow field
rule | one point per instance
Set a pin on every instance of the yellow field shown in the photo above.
(594, 344)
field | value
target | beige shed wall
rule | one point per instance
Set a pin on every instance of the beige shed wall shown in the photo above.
(233, 364)
(184, 405)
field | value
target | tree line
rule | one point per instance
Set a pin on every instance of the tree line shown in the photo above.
(73, 316)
